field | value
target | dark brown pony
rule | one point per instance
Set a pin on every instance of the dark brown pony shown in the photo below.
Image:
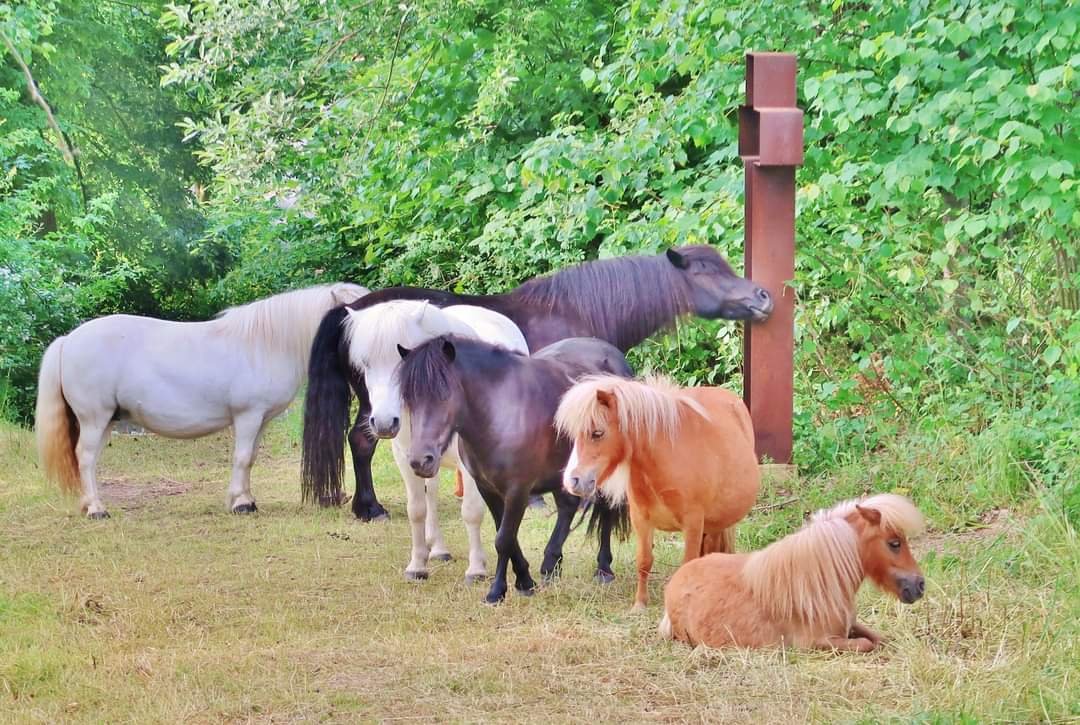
(501, 404)
(622, 301)
(682, 458)
(800, 591)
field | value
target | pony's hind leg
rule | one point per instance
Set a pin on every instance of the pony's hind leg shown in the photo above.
(92, 436)
(644, 563)
(472, 513)
(362, 442)
(416, 506)
(247, 428)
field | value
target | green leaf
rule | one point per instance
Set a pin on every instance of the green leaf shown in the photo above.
(948, 285)
(903, 275)
(1012, 325)
(588, 77)
(1051, 355)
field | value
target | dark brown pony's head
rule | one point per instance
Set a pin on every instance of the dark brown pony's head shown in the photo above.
(431, 392)
(885, 554)
(715, 291)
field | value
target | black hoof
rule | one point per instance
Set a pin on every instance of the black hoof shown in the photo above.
(98, 515)
(374, 516)
(494, 599)
(441, 557)
(603, 577)
(475, 578)
(526, 592)
(416, 576)
(245, 508)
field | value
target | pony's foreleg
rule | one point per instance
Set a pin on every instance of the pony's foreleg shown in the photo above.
(416, 509)
(567, 506)
(472, 513)
(92, 434)
(845, 644)
(506, 544)
(861, 630)
(644, 533)
(362, 442)
(248, 429)
(432, 532)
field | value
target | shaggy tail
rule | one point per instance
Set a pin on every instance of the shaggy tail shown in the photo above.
(326, 413)
(724, 542)
(618, 516)
(55, 424)
(665, 626)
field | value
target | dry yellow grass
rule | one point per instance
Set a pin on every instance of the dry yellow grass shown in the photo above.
(174, 610)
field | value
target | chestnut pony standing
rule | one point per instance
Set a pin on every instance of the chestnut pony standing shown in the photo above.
(800, 591)
(683, 458)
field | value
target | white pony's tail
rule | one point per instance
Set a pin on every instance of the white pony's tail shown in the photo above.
(665, 626)
(55, 424)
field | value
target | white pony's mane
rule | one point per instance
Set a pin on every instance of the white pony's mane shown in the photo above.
(286, 322)
(388, 324)
(812, 575)
(651, 407)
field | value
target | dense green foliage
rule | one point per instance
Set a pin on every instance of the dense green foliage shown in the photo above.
(473, 144)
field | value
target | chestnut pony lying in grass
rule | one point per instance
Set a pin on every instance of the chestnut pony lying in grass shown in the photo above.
(800, 591)
(682, 457)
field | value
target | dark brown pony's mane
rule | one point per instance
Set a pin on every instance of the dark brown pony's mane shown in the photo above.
(624, 299)
(427, 374)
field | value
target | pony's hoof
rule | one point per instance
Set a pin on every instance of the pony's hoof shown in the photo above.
(637, 608)
(603, 576)
(416, 576)
(475, 578)
(493, 599)
(98, 515)
(375, 518)
(446, 556)
(245, 508)
(526, 592)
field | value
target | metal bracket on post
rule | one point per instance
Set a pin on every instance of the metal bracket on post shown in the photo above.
(771, 146)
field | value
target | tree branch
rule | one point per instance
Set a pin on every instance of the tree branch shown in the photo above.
(35, 95)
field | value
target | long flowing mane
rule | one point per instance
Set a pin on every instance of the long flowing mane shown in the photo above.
(624, 299)
(812, 575)
(286, 322)
(427, 374)
(649, 408)
(384, 326)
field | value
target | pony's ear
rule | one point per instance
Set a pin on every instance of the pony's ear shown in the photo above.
(403, 351)
(605, 398)
(676, 259)
(448, 350)
(871, 515)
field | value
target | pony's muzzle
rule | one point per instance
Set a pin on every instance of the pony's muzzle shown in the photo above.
(384, 427)
(425, 466)
(911, 588)
(581, 486)
(762, 305)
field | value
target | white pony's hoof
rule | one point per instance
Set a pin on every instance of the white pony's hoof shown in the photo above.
(245, 508)
(416, 576)
(476, 578)
(445, 556)
(98, 515)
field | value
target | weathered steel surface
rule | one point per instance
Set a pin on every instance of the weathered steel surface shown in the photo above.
(771, 145)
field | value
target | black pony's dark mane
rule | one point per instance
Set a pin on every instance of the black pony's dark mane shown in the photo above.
(623, 300)
(426, 374)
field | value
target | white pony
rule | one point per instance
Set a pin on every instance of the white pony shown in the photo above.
(373, 336)
(177, 379)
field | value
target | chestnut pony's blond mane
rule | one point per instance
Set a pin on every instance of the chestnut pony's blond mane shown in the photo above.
(812, 575)
(648, 408)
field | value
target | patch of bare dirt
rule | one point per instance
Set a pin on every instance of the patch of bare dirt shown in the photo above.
(128, 494)
(991, 524)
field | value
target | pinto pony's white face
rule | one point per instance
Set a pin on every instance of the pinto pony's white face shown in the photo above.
(374, 336)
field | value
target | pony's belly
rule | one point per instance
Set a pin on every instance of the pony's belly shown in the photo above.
(180, 423)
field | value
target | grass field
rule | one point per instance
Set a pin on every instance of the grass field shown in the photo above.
(174, 610)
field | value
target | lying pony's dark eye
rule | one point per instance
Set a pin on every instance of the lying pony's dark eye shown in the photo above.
(894, 544)
(597, 434)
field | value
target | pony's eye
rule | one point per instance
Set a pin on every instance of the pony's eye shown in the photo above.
(894, 544)
(597, 434)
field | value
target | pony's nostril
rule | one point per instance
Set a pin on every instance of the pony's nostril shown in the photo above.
(763, 295)
(396, 423)
(371, 421)
(428, 460)
(920, 585)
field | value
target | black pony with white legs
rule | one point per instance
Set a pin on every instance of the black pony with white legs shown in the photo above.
(622, 301)
(501, 406)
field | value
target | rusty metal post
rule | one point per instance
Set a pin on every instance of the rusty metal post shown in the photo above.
(771, 146)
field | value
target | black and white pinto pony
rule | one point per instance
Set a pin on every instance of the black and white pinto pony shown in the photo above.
(500, 406)
(374, 335)
(622, 301)
(177, 379)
